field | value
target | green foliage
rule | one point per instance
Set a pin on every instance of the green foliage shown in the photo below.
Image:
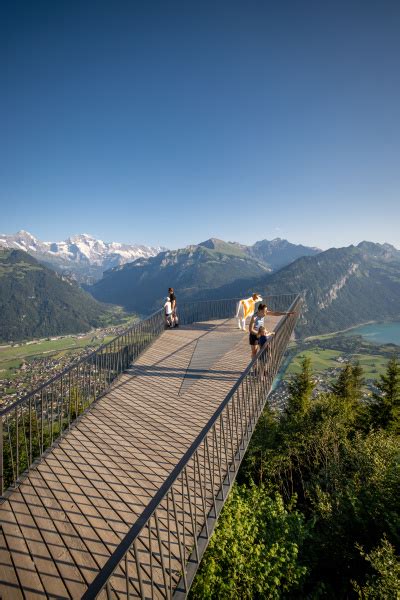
(260, 452)
(385, 408)
(345, 480)
(349, 383)
(300, 390)
(348, 388)
(384, 582)
(354, 499)
(254, 551)
(29, 437)
(28, 434)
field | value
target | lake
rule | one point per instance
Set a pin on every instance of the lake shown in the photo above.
(379, 333)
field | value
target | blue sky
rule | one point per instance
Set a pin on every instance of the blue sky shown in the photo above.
(171, 122)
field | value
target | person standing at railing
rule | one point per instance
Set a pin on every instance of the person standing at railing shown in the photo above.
(257, 321)
(172, 298)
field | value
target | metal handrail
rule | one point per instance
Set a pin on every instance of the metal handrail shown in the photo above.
(73, 365)
(30, 425)
(127, 544)
(88, 357)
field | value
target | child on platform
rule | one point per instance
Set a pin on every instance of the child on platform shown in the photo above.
(263, 336)
(169, 317)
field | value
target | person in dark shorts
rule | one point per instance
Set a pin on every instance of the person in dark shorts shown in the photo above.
(257, 321)
(172, 298)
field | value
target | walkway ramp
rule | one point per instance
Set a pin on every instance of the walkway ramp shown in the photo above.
(124, 503)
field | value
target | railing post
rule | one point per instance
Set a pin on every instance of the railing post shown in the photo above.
(30, 430)
(16, 447)
(1, 457)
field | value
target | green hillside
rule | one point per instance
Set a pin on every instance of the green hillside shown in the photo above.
(36, 302)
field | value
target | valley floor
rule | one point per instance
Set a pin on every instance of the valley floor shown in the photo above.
(25, 365)
(329, 354)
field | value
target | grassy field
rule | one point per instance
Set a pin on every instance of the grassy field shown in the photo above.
(12, 357)
(324, 359)
(373, 365)
(321, 360)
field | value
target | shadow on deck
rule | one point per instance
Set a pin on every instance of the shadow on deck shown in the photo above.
(128, 496)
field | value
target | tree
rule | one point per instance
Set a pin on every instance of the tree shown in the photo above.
(344, 478)
(300, 389)
(384, 582)
(385, 407)
(349, 383)
(348, 388)
(253, 553)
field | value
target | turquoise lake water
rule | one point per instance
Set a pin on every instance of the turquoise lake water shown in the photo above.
(379, 333)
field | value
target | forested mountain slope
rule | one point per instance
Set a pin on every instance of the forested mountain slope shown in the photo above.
(36, 302)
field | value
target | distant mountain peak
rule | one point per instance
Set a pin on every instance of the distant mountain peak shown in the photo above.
(278, 252)
(385, 250)
(81, 255)
(23, 232)
(213, 243)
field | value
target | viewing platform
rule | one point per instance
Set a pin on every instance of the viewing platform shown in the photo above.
(119, 467)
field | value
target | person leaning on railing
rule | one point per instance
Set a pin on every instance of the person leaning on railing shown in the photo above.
(257, 321)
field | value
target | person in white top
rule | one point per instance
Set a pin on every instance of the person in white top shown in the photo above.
(169, 321)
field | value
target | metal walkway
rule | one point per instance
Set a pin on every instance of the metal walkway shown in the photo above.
(129, 495)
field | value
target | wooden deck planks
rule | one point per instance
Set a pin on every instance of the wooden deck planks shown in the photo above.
(66, 518)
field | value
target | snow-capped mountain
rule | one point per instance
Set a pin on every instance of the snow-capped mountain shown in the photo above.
(84, 247)
(22, 240)
(82, 256)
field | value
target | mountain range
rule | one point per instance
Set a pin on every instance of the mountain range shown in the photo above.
(344, 286)
(82, 257)
(141, 285)
(35, 301)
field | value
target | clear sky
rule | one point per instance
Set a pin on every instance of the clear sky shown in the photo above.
(172, 122)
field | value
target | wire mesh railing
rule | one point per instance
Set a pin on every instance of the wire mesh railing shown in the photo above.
(159, 556)
(31, 425)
